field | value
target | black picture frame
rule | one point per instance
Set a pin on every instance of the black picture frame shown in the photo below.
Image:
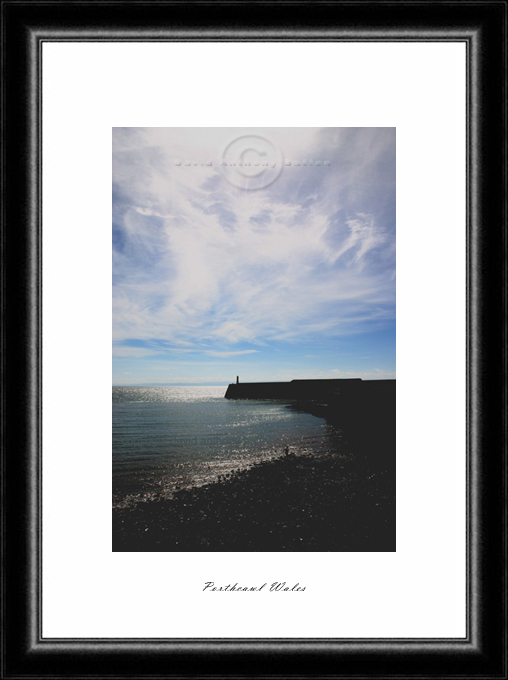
(482, 26)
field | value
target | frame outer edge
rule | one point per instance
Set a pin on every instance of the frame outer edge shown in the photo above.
(33, 645)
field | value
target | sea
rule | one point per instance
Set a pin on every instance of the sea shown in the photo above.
(170, 438)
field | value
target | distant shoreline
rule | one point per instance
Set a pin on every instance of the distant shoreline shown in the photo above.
(213, 384)
(174, 385)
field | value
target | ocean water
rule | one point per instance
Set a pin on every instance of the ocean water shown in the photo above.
(169, 438)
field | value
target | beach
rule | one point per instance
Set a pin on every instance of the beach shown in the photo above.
(344, 501)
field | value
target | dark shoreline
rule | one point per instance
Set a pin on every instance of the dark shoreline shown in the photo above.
(344, 502)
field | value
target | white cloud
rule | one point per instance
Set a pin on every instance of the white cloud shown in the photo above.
(213, 353)
(136, 352)
(200, 260)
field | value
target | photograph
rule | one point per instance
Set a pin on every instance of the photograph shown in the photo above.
(254, 339)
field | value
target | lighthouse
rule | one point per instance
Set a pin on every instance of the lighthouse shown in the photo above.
(237, 380)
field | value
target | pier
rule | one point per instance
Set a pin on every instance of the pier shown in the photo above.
(307, 390)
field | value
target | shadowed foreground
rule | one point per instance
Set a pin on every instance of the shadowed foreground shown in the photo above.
(296, 503)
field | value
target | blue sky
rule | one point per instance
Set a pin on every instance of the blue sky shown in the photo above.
(212, 279)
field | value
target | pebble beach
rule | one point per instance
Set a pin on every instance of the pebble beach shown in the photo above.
(342, 502)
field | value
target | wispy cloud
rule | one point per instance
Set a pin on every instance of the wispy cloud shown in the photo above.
(203, 265)
(159, 349)
(213, 353)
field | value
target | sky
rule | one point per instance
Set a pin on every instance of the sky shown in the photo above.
(267, 253)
